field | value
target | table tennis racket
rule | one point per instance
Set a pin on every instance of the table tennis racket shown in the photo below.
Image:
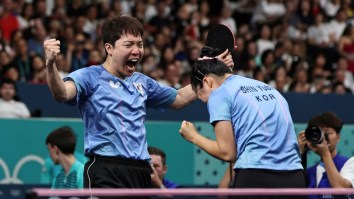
(220, 38)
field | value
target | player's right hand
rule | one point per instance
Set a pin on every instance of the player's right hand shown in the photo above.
(52, 49)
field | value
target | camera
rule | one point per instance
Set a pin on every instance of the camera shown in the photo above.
(314, 135)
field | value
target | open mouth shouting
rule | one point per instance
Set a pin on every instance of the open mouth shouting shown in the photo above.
(132, 63)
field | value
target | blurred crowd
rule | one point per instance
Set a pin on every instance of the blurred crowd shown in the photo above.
(303, 46)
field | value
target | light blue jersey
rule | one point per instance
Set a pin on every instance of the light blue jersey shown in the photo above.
(113, 110)
(263, 127)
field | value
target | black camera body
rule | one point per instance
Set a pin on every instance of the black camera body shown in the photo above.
(314, 135)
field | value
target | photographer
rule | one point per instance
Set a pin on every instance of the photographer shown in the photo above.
(334, 170)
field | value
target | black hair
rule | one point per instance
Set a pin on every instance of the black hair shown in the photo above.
(201, 68)
(327, 119)
(64, 138)
(209, 52)
(157, 151)
(8, 81)
(265, 55)
(114, 28)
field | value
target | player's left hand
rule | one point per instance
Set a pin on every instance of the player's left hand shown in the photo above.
(226, 57)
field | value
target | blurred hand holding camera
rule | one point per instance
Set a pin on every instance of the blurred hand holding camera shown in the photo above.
(321, 149)
(314, 139)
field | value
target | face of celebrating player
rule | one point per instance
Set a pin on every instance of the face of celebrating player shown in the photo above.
(126, 53)
(208, 86)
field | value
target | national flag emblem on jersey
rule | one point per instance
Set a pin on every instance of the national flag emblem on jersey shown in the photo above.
(139, 87)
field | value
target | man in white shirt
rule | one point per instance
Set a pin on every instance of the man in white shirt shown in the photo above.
(9, 108)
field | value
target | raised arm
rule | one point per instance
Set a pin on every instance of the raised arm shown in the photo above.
(185, 96)
(224, 148)
(62, 91)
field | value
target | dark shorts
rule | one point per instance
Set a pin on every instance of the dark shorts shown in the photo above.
(115, 172)
(263, 178)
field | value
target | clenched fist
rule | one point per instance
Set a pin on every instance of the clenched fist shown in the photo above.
(52, 49)
(188, 131)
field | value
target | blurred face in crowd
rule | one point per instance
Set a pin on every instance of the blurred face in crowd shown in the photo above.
(265, 32)
(126, 53)
(342, 64)
(12, 73)
(38, 63)
(172, 73)
(80, 42)
(339, 89)
(320, 61)
(61, 63)
(157, 163)
(7, 91)
(252, 49)
(4, 58)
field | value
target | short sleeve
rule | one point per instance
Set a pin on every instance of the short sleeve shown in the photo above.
(347, 171)
(82, 83)
(219, 106)
(159, 96)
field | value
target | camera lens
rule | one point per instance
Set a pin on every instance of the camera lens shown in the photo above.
(314, 135)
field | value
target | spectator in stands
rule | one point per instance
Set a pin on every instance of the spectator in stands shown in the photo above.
(10, 71)
(268, 11)
(8, 20)
(317, 33)
(265, 41)
(339, 88)
(61, 144)
(38, 35)
(280, 79)
(39, 70)
(5, 59)
(10, 107)
(227, 19)
(62, 65)
(70, 21)
(77, 52)
(339, 80)
(23, 60)
(337, 25)
(185, 78)
(342, 64)
(330, 7)
(326, 88)
(159, 167)
(268, 63)
(171, 75)
(334, 170)
(346, 46)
